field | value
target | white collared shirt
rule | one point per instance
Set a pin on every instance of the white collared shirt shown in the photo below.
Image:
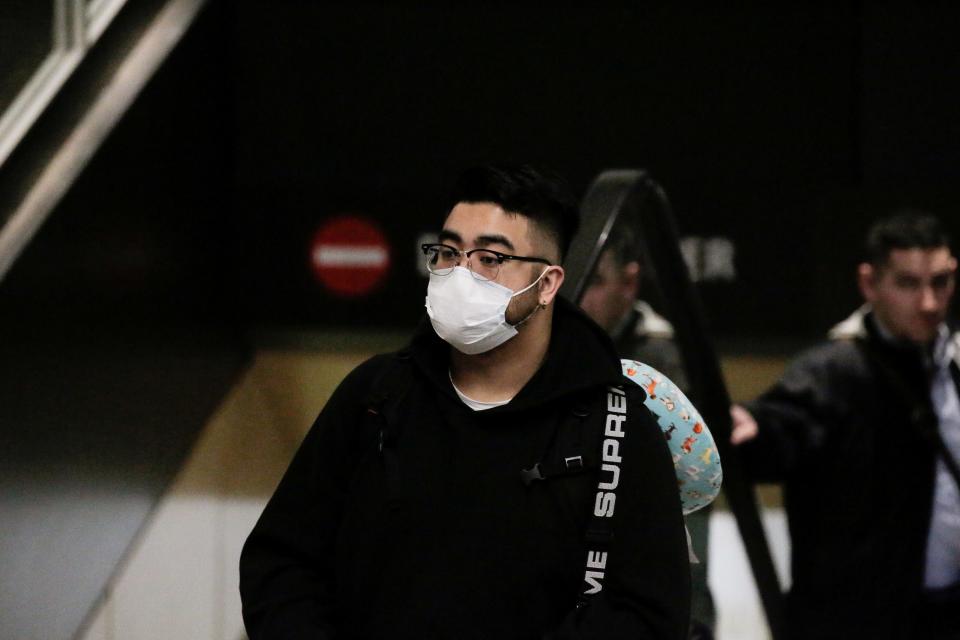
(943, 542)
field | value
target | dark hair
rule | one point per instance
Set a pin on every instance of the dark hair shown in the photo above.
(541, 196)
(906, 229)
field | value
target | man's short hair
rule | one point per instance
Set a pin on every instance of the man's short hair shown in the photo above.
(541, 196)
(906, 229)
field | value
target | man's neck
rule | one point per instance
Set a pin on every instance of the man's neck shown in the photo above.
(501, 373)
(623, 324)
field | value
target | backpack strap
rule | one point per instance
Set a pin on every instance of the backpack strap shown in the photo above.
(600, 529)
(388, 390)
(565, 453)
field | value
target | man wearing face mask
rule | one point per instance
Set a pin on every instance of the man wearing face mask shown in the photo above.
(498, 478)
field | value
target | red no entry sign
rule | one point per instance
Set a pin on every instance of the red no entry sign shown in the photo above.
(350, 255)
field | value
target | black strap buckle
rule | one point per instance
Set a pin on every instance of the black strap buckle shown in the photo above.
(531, 474)
(572, 464)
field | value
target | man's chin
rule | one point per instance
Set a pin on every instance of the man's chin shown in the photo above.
(923, 335)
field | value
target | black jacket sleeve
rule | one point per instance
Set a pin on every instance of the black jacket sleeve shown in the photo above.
(286, 567)
(796, 414)
(646, 586)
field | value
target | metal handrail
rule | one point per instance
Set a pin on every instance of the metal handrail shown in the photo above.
(77, 25)
(77, 146)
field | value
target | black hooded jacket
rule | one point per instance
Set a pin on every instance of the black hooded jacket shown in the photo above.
(431, 533)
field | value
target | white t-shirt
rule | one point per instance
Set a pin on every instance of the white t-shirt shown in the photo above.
(477, 405)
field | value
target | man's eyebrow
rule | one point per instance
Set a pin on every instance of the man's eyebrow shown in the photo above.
(486, 240)
(446, 234)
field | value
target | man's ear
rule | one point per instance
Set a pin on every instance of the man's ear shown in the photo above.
(550, 284)
(867, 281)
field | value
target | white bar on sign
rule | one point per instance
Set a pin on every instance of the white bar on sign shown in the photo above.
(340, 256)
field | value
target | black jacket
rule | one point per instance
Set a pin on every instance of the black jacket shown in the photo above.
(847, 440)
(438, 537)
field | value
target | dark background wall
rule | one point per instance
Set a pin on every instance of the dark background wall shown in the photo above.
(783, 129)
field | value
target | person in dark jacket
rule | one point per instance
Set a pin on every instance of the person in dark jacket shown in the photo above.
(453, 490)
(640, 333)
(859, 430)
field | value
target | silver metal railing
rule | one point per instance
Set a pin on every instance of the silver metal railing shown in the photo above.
(78, 24)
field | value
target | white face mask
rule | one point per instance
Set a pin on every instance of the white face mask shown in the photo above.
(469, 313)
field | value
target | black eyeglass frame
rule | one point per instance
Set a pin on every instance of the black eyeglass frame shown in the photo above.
(501, 257)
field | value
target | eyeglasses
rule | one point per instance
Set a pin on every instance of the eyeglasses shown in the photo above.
(484, 264)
